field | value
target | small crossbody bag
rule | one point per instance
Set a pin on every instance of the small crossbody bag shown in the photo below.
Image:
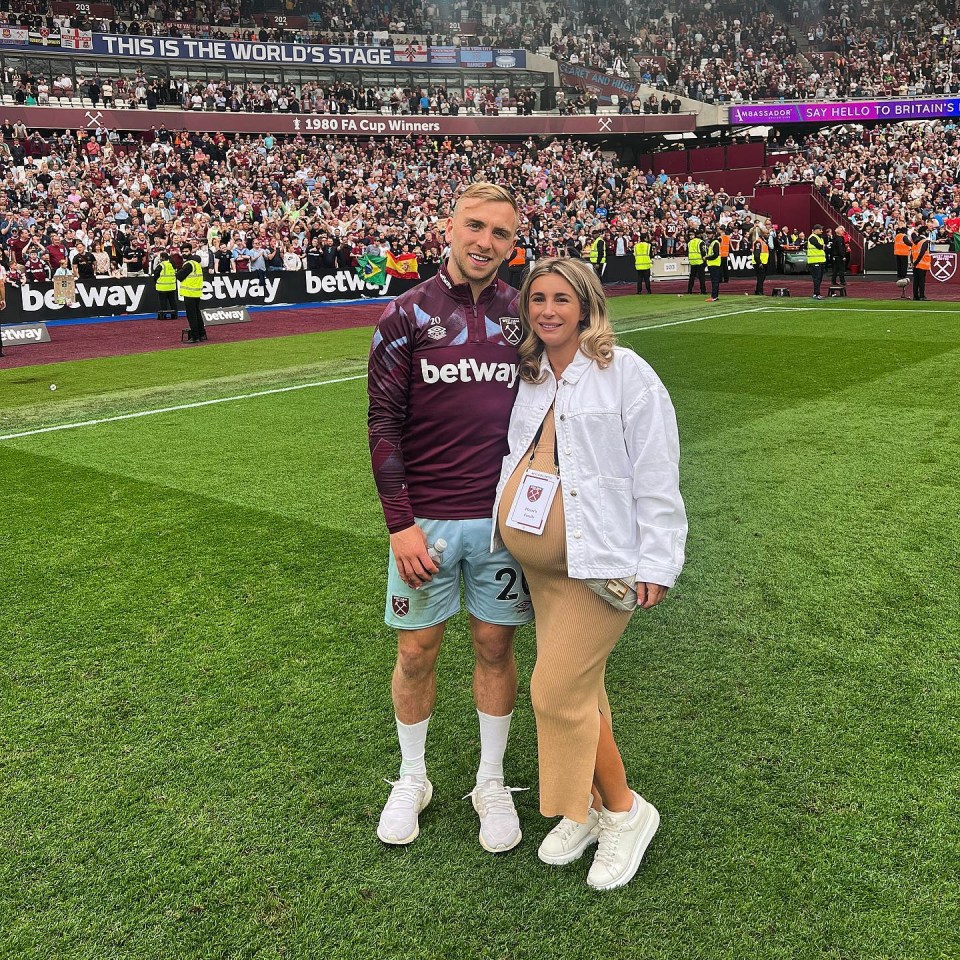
(618, 593)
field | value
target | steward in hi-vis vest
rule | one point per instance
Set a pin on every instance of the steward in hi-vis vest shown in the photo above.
(761, 257)
(598, 254)
(816, 258)
(920, 254)
(901, 251)
(165, 275)
(698, 270)
(517, 264)
(724, 254)
(643, 262)
(190, 276)
(714, 264)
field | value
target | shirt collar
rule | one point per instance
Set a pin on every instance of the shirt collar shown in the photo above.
(461, 292)
(575, 370)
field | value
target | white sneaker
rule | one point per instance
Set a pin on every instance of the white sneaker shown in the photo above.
(567, 841)
(399, 822)
(622, 845)
(499, 823)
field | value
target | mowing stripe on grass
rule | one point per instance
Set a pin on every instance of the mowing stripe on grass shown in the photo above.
(712, 316)
(302, 386)
(181, 406)
(893, 308)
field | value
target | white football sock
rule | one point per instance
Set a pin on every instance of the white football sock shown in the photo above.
(493, 744)
(413, 745)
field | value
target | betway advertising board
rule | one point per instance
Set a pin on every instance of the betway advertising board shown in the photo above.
(137, 295)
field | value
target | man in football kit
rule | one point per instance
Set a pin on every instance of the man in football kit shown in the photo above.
(442, 382)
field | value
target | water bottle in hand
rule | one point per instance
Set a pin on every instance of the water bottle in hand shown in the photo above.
(435, 550)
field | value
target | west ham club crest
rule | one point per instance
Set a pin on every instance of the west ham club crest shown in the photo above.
(943, 266)
(512, 331)
(401, 606)
(533, 493)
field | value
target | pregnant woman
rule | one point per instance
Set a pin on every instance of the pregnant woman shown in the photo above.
(589, 503)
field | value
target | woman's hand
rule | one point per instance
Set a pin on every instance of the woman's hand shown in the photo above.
(650, 594)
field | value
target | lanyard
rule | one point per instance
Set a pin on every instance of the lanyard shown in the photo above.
(536, 443)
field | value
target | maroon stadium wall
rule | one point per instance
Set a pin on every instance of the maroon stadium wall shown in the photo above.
(734, 168)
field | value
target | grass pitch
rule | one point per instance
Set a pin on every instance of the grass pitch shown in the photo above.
(194, 704)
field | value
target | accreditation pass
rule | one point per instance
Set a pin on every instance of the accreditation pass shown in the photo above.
(531, 505)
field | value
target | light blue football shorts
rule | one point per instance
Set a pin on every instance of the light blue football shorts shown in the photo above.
(495, 590)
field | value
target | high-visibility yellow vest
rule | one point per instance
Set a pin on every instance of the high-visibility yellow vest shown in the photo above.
(762, 251)
(168, 277)
(641, 256)
(592, 251)
(695, 251)
(713, 254)
(193, 285)
(815, 252)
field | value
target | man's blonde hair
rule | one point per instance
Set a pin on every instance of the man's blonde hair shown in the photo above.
(482, 190)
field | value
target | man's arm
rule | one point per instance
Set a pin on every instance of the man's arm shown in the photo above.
(388, 388)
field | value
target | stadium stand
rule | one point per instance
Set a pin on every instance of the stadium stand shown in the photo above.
(879, 178)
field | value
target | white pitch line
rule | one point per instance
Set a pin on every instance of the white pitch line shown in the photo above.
(892, 309)
(676, 323)
(181, 406)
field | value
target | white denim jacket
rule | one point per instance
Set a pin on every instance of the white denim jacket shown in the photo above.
(619, 454)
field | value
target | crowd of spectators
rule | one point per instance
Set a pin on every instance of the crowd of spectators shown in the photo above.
(305, 200)
(314, 97)
(342, 23)
(725, 51)
(125, 200)
(881, 178)
(732, 53)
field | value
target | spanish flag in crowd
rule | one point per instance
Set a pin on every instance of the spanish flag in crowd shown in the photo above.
(404, 267)
(372, 270)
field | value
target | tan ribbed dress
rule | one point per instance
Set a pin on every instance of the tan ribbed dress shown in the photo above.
(576, 631)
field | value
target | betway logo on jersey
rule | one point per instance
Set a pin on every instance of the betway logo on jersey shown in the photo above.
(469, 370)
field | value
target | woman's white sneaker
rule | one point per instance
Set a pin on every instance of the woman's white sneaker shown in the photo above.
(622, 844)
(400, 819)
(568, 840)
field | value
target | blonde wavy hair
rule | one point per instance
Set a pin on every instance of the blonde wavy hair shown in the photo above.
(597, 339)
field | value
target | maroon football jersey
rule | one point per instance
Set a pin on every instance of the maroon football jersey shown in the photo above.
(442, 381)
